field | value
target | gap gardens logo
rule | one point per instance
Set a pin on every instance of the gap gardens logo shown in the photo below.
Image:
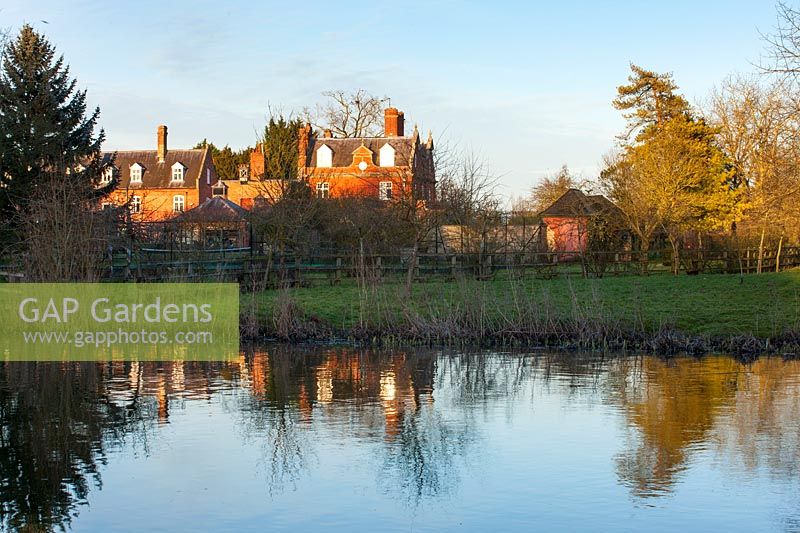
(108, 321)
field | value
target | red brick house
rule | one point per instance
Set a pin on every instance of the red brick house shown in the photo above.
(159, 184)
(564, 226)
(394, 165)
(388, 167)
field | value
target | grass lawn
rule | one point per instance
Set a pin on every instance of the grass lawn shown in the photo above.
(712, 304)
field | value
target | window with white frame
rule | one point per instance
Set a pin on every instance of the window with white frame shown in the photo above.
(108, 174)
(177, 172)
(324, 156)
(385, 190)
(107, 205)
(323, 189)
(136, 173)
(178, 203)
(387, 155)
(136, 204)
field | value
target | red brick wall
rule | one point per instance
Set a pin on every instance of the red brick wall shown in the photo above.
(157, 203)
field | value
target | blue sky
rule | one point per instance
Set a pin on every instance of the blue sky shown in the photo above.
(527, 84)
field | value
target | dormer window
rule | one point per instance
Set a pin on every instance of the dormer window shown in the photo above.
(219, 189)
(324, 156)
(108, 174)
(387, 155)
(136, 173)
(178, 170)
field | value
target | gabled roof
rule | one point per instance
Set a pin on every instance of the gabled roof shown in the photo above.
(159, 175)
(214, 209)
(575, 203)
(343, 149)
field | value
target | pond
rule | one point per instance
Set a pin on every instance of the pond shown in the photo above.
(341, 439)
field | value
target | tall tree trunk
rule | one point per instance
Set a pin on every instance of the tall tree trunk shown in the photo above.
(778, 255)
(676, 259)
(761, 250)
(644, 259)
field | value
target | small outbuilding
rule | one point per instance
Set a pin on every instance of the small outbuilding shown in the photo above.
(217, 223)
(565, 224)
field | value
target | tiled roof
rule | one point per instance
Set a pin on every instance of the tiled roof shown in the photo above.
(575, 203)
(343, 149)
(159, 175)
(214, 209)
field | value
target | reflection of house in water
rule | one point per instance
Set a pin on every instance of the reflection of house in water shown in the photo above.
(129, 382)
(396, 384)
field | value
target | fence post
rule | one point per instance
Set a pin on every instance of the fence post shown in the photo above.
(379, 266)
(338, 275)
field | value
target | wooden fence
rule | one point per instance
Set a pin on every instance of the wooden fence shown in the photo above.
(271, 269)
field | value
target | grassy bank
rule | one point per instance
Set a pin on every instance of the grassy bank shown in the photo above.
(663, 313)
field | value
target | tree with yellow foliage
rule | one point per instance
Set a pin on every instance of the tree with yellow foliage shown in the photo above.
(672, 178)
(759, 125)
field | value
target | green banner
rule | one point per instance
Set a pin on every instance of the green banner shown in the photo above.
(119, 321)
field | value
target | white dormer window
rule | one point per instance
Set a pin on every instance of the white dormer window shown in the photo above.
(108, 174)
(385, 190)
(324, 156)
(387, 155)
(136, 173)
(178, 171)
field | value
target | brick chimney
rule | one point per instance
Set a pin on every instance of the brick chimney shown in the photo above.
(257, 162)
(393, 121)
(302, 146)
(327, 134)
(162, 143)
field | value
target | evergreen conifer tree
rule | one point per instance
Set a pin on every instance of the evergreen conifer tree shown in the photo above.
(44, 129)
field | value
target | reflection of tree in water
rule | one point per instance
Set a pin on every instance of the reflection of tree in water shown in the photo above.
(423, 447)
(420, 461)
(673, 407)
(375, 392)
(761, 432)
(54, 422)
(676, 406)
(746, 414)
(272, 413)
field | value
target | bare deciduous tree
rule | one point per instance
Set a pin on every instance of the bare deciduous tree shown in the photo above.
(784, 43)
(349, 114)
(66, 237)
(759, 126)
(550, 189)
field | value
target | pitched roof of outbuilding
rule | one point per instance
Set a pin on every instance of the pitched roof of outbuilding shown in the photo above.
(214, 209)
(157, 174)
(575, 203)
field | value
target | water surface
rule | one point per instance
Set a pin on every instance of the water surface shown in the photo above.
(355, 440)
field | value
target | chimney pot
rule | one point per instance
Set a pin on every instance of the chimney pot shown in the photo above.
(162, 143)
